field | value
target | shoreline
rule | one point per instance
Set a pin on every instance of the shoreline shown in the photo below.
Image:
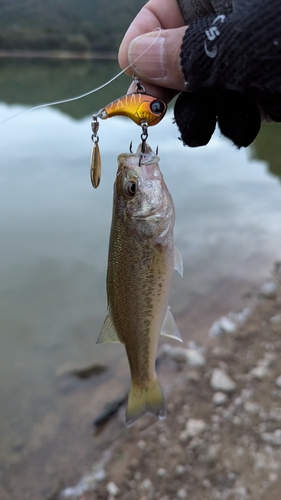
(56, 54)
(221, 439)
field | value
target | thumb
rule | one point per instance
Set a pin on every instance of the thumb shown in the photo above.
(156, 58)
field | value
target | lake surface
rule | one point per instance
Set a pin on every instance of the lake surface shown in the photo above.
(55, 227)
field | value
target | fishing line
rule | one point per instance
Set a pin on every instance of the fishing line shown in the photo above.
(71, 99)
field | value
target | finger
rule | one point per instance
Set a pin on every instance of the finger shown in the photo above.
(155, 58)
(163, 14)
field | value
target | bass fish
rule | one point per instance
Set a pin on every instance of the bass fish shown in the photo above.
(141, 260)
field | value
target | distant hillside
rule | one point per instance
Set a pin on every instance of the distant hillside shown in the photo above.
(80, 25)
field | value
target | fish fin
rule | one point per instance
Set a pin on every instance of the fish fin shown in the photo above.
(142, 400)
(169, 327)
(178, 263)
(108, 332)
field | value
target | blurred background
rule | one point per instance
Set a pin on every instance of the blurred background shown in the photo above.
(54, 231)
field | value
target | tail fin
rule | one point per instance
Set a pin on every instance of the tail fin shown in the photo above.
(145, 399)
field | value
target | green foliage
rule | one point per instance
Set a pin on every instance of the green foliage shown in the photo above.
(80, 25)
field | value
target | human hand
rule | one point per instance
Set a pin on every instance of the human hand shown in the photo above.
(159, 67)
(220, 56)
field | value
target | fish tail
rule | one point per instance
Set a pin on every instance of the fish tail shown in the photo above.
(145, 399)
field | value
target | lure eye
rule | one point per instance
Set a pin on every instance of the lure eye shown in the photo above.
(157, 107)
(131, 188)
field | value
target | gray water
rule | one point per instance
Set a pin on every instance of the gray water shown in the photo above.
(54, 227)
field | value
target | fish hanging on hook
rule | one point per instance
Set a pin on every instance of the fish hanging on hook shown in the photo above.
(143, 109)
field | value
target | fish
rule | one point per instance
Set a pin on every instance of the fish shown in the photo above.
(141, 260)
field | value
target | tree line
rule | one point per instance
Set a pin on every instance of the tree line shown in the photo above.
(75, 25)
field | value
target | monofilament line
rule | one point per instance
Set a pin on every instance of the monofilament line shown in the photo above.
(71, 99)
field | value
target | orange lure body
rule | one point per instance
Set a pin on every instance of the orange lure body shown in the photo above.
(140, 107)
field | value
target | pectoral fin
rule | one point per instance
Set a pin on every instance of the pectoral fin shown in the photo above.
(108, 332)
(178, 263)
(169, 327)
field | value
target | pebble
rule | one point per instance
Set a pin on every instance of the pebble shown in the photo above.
(146, 484)
(194, 427)
(278, 381)
(252, 408)
(220, 381)
(268, 290)
(275, 319)
(161, 472)
(141, 445)
(259, 372)
(179, 470)
(273, 438)
(112, 489)
(182, 493)
(219, 398)
(223, 325)
(193, 356)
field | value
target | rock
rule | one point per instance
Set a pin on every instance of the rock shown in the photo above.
(220, 381)
(193, 428)
(259, 372)
(223, 325)
(180, 470)
(252, 408)
(182, 493)
(278, 381)
(268, 290)
(161, 472)
(146, 484)
(181, 355)
(275, 319)
(112, 489)
(141, 445)
(273, 438)
(240, 317)
(219, 398)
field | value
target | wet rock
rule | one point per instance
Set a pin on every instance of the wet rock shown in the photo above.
(220, 381)
(219, 398)
(268, 290)
(82, 372)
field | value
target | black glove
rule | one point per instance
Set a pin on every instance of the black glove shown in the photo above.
(232, 67)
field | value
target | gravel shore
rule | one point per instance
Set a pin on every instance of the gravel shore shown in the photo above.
(221, 439)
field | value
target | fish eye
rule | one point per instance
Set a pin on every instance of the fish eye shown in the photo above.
(131, 188)
(157, 107)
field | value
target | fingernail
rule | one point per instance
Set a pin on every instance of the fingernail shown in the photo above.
(146, 55)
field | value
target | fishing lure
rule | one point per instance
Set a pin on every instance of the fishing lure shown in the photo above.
(144, 109)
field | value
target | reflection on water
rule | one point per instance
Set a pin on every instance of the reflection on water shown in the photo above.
(32, 82)
(267, 147)
(55, 229)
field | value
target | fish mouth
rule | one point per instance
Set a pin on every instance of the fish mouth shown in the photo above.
(153, 216)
